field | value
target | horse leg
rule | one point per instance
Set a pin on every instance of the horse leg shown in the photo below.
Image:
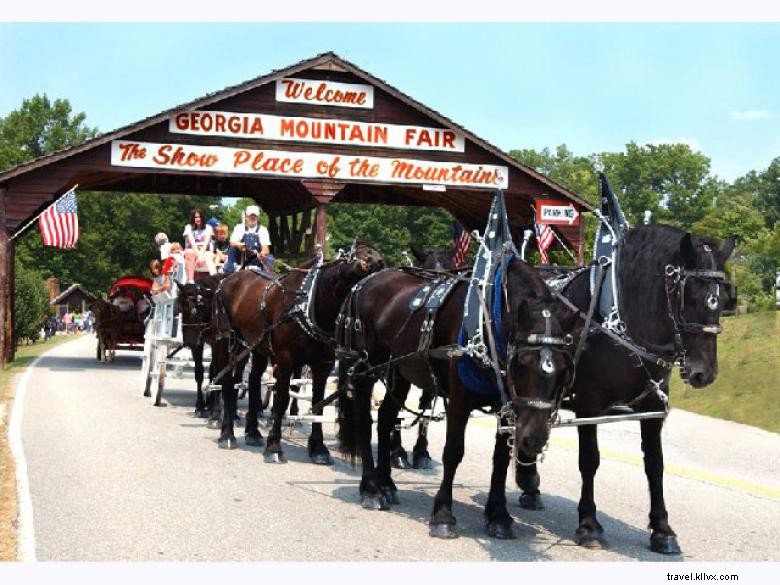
(590, 532)
(662, 538)
(273, 448)
(252, 435)
(200, 402)
(421, 459)
(371, 496)
(398, 456)
(386, 453)
(318, 452)
(528, 480)
(498, 522)
(227, 439)
(442, 523)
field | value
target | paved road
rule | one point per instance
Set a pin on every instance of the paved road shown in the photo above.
(113, 478)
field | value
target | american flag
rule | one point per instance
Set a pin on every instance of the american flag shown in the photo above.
(544, 239)
(462, 241)
(60, 222)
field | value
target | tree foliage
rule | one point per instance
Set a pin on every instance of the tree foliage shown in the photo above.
(32, 304)
(389, 229)
(40, 127)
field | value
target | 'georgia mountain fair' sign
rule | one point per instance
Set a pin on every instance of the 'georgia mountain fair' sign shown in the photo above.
(296, 164)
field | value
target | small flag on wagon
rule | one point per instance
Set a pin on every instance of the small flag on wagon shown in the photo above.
(544, 239)
(462, 241)
(60, 222)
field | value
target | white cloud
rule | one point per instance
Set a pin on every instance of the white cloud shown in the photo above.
(751, 115)
(691, 142)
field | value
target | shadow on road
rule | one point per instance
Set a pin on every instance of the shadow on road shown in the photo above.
(71, 363)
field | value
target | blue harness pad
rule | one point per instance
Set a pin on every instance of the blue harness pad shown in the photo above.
(475, 378)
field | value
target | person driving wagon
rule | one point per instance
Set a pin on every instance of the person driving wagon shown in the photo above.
(252, 241)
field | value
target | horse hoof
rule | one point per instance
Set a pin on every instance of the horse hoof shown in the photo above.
(665, 544)
(229, 443)
(391, 496)
(254, 441)
(531, 502)
(400, 462)
(321, 459)
(275, 457)
(147, 393)
(213, 423)
(161, 404)
(201, 414)
(376, 502)
(589, 538)
(501, 529)
(443, 531)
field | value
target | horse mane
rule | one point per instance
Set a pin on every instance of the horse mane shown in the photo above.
(646, 251)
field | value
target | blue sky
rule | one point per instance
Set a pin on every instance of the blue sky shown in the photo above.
(591, 86)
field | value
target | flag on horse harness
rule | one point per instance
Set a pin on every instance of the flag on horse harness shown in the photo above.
(60, 222)
(612, 228)
(495, 241)
(462, 241)
(544, 239)
(474, 369)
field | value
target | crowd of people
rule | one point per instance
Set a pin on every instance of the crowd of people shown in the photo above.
(69, 323)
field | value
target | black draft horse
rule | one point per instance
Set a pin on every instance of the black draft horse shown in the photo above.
(536, 329)
(669, 281)
(262, 311)
(195, 306)
(421, 459)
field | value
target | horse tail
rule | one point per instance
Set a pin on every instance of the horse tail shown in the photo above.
(345, 407)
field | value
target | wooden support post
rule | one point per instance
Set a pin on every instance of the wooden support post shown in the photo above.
(321, 221)
(581, 243)
(4, 292)
(10, 335)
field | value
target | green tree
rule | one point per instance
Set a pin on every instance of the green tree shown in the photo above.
(39, 127)
(390, 229)
(670, 180)
(32, 304)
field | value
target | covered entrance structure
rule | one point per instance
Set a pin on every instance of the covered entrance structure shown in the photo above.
(294, 140)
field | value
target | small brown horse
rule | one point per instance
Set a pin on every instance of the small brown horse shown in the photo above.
(262, 310)
(108, 327)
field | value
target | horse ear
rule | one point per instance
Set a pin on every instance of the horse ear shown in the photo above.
(728, 246)
(418, 254)
(687, 251)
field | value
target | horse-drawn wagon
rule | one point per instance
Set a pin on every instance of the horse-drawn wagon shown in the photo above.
(119, 319)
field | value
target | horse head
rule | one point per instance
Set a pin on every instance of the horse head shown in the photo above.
(674, 306)
(433, 259)
(539, 365)
(364, 259)
(194, 303)
(698, 292)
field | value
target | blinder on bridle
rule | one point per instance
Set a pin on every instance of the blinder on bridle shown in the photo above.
(547, 345)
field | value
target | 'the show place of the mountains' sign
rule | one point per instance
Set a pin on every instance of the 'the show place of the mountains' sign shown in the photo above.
(222, 159)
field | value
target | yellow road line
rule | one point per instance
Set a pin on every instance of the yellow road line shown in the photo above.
(672, 469)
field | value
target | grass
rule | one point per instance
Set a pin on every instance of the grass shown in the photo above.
(747, 389)
(25, 354)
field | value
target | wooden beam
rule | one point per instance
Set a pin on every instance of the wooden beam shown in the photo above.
(4, 290)
(321, 221)
(10, 335)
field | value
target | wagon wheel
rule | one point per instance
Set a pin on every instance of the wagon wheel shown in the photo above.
(159, 364)
(147, 362)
